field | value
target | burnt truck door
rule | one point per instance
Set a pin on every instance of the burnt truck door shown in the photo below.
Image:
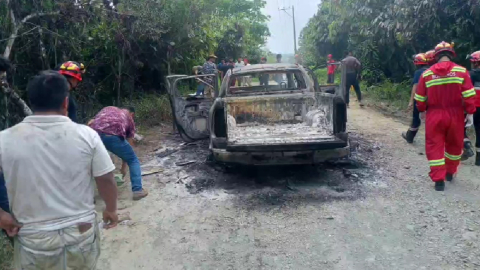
(190, 111)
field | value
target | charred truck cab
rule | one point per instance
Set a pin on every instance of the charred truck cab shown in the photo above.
(272, 114)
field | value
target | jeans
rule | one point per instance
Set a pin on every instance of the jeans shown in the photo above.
(331, 78)
(4, 200)
(353, 81)
(416, 122)
(121, 148)
(200, 89)
(3, 195)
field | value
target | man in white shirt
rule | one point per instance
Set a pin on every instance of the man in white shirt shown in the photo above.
(240, 64)
(49, 164)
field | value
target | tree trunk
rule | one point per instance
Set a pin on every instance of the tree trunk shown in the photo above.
(16, 99)
(9, 92)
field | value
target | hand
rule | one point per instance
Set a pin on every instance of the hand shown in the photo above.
(410, 105)
(110, 219)
(9, 224)
(423, 116)
(469, 120)
(123, 171)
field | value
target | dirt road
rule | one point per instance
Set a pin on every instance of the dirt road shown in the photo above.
(378, 212)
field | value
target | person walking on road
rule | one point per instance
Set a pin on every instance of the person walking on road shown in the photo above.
(49, 164)
(445, 92)
(331, 69)
(475, 76)
(117, 130)
(353, 69)
(421, 62)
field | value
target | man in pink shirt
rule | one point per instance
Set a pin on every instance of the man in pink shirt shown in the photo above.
(116, 129)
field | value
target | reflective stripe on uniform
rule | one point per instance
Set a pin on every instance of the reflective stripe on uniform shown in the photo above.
(453, 157)
(459, 69)
(420, 98)
(469, 93)
(427, 73)
(438, 162)
(442, 81)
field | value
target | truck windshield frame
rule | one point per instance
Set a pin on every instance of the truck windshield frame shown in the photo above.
(278, 82)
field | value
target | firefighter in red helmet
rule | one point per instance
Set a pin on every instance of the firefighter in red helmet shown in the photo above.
(430, 55)
(421, 62)
(73, 71)
(445, 92)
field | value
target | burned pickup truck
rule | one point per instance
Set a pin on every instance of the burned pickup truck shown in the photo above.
(272, 114)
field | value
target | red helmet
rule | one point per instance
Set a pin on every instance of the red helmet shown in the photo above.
(474, 57)
(444, 47)
(430, 55)
(420, 59)
(72, 69)
(330, 56)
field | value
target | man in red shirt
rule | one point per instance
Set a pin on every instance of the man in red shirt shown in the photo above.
(116, 129)
(445, 92)
(331, 69)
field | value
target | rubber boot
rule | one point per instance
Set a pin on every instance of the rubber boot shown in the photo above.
(467, 150)
(450, 177)
(477, 159)
(440, 186)
(410, 135)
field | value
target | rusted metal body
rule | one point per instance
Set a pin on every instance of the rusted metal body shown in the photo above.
(291, 121)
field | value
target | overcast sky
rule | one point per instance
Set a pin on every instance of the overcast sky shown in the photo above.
(281, 26)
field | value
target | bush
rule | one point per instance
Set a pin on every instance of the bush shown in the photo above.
(151, 109)
(396, 94)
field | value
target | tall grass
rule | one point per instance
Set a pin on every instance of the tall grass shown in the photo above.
(394, 94)
(322, 76)
(151, 110)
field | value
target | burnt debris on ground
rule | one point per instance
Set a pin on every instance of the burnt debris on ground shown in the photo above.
(189, 165)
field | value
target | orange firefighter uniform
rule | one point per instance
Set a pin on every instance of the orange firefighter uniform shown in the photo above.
(445, 92)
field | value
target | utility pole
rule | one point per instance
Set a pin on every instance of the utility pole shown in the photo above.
(294, 29)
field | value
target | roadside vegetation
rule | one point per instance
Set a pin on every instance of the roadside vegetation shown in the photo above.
(384, 35)
(127, 46)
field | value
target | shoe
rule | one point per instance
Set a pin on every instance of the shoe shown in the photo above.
(467, 150)
(449, 177)
(477, 159)
(409, 135)
(138, 195)
(361, 104)
(440, 186)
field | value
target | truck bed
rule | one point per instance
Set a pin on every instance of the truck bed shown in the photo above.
(273, 134)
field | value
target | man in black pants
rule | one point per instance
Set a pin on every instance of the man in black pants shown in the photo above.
(420, 61)
(354, 68)
(475, 75)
